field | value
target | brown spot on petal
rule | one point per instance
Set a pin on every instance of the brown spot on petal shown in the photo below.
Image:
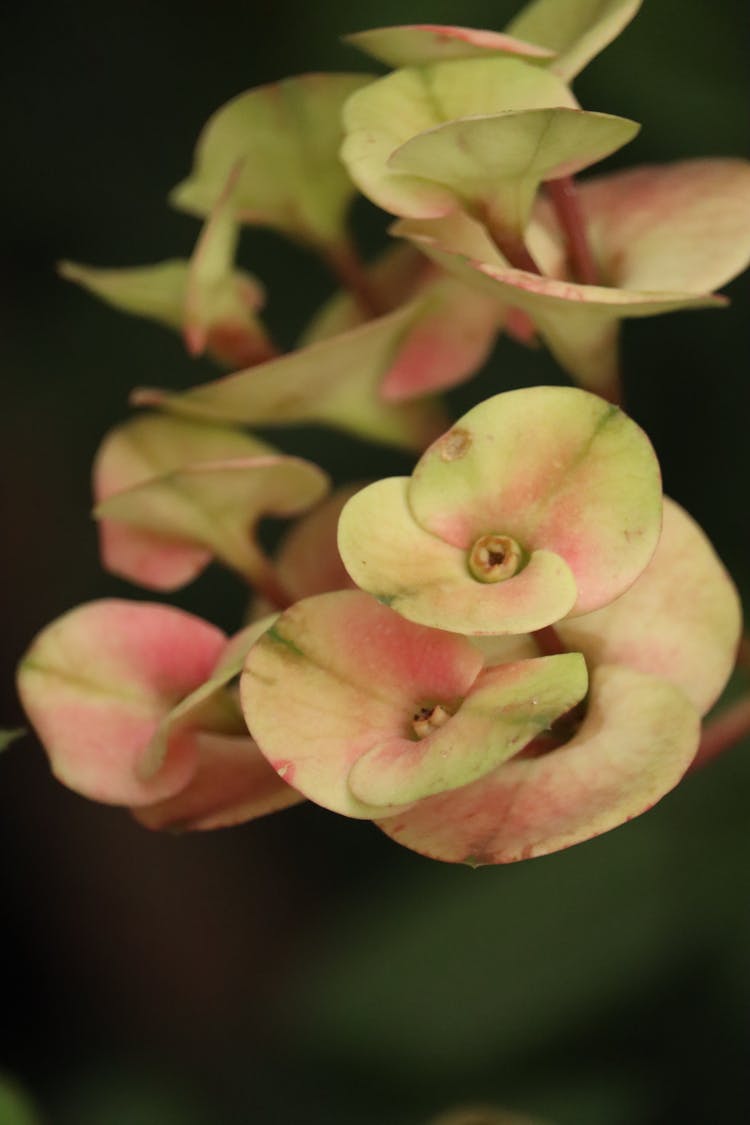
(455, 445)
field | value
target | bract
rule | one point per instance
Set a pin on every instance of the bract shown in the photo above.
(219, 308)
(576, 30)
(98, 682)
(537, 504)
(662, 237)
(130, 700)
(362, 710)
(233, 783)
(415, 44)
(172, 494)
(206, 299)
(334, 382)
(636, 741)
(446, 344)
(387, 114)
(287, 136)
(681, 620)
(493, 165)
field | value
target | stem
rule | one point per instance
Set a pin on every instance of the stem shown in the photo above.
(743, 654)
(722, 732)
(269, 585)
(548, 641)
(346, 264)
(564, 196)
(512, 247)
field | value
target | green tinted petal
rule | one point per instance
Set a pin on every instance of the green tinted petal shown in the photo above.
(287, 136)
(576, 30)
(172, 492)
(428, 580)
(557, 470)
(388, 113)
(217, 505)
(494, 165)
(636, 742)
(336, 675)
(579, 323)
(504, 710)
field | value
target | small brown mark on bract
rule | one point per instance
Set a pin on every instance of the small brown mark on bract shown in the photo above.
(455, 445)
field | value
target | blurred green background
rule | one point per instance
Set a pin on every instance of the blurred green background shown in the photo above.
(304, 969)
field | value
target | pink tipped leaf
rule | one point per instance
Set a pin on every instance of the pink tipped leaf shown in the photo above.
(159, 292)
(446, 344)
(173, 493)
(97, 683)
(334, 382)
(220, 305)
(579, 323)
(417, 44)
(672, 227)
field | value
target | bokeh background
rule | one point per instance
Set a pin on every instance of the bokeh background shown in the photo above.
(304, 969)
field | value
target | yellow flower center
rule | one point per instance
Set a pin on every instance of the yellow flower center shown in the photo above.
(493, 558)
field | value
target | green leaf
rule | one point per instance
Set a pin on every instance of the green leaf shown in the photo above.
(387, 114)
(576, 30)
(494, 165)
(286, 136)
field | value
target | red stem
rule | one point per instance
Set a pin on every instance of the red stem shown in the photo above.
(512, 247)
(722, 732)
(548, 641)
(564, 196)
(272, 588)
(346, 264)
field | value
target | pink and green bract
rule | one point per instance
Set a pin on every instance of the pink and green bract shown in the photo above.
(502, 653)
(557, 486)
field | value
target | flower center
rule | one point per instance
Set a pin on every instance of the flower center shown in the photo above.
(493, 558)
(427, 719)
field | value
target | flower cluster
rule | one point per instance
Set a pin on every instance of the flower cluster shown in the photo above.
(510, 650)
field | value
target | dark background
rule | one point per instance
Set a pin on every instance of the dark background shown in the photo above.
(304, 969)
